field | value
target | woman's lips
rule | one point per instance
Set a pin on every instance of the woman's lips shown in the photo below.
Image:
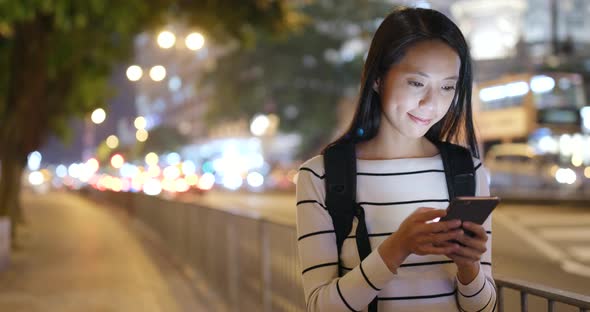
(420, 121)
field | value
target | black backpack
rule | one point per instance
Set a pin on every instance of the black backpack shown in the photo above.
(340, 169)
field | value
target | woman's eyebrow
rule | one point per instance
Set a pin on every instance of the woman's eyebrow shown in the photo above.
(428, 76)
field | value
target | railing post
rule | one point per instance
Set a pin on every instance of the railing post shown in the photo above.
(550, 305)
(233, 269)
(266, 268)
(524, 303)
(500, 299)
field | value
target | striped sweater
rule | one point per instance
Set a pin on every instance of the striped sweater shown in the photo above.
(389, 191)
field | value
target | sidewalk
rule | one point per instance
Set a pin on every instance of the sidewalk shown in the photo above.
(77, 255)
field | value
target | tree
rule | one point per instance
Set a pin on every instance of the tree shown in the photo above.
(56, 57)
(302, 76)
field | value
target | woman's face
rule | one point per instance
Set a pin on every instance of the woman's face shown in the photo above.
(417, 91)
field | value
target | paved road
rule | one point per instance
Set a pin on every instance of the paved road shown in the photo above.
(77, 255)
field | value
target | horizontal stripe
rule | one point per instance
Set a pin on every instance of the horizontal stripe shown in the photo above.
(319, 266)
(342, 297)
(372, 235)
(398, 173)
(311, 201)
(425, 263)
(314, 233)
(385, 174)
(418, 297)
(387, 234)
(406, 265)
(406, 202)
(314, 173)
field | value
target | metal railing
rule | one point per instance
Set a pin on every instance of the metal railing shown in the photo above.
(252, 262)
(550, 295)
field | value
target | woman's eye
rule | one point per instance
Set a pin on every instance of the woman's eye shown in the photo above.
(415, 84)
(449, 88)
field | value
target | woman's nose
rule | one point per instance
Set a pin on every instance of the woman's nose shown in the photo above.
(427, 101)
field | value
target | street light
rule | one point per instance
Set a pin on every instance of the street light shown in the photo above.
(134, 73)
(259, 125)
(140, 123)
(152, 159)
(166, 39)
(158, 73)
(98, 116)
(141, 135)
(112, 141)
(194, 41)
(117, 161)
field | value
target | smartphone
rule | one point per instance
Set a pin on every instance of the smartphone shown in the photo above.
(474, 209)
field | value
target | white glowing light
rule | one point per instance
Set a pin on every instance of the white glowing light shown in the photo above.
(112, 141)
(173, 159)
(259, 125)
(158, 73)
(206, 182)
(134, 73)
(74, 170)
(140, 123)
(98, 116)
(181, 185)
(128, 170)
(175, 83)
(541, 84)
(518, 88)
(189, 167)
(152, 187)
(166, 39)
(34, 161)
(492, 93)
(194, 41)
(152, 159)
(36, 178)
(565, 176)
(255, 179)
(171, 172)
(61, 171)
(548, 144)
(232, 181)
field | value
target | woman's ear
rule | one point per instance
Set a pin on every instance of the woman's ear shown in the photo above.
(376, 86)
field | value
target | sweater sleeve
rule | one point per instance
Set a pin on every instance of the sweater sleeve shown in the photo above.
(318, 256)
(481, 293)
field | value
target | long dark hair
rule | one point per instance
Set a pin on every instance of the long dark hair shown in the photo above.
(400, 29)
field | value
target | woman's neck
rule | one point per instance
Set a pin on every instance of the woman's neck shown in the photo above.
(395, 146)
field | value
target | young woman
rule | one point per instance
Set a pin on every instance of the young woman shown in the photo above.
(415, 90)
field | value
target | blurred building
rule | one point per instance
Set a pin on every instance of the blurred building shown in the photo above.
(170, 65)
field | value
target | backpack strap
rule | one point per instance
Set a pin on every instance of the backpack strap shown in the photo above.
(459, 170)
(340, 166)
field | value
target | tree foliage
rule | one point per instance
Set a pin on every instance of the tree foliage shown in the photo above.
(302, 76)
(56, 57)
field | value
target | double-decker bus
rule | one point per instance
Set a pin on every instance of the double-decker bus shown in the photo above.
(513, 107)
(534, 128)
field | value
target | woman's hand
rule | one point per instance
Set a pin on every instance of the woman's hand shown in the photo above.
(467, 257)
(416, 236)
